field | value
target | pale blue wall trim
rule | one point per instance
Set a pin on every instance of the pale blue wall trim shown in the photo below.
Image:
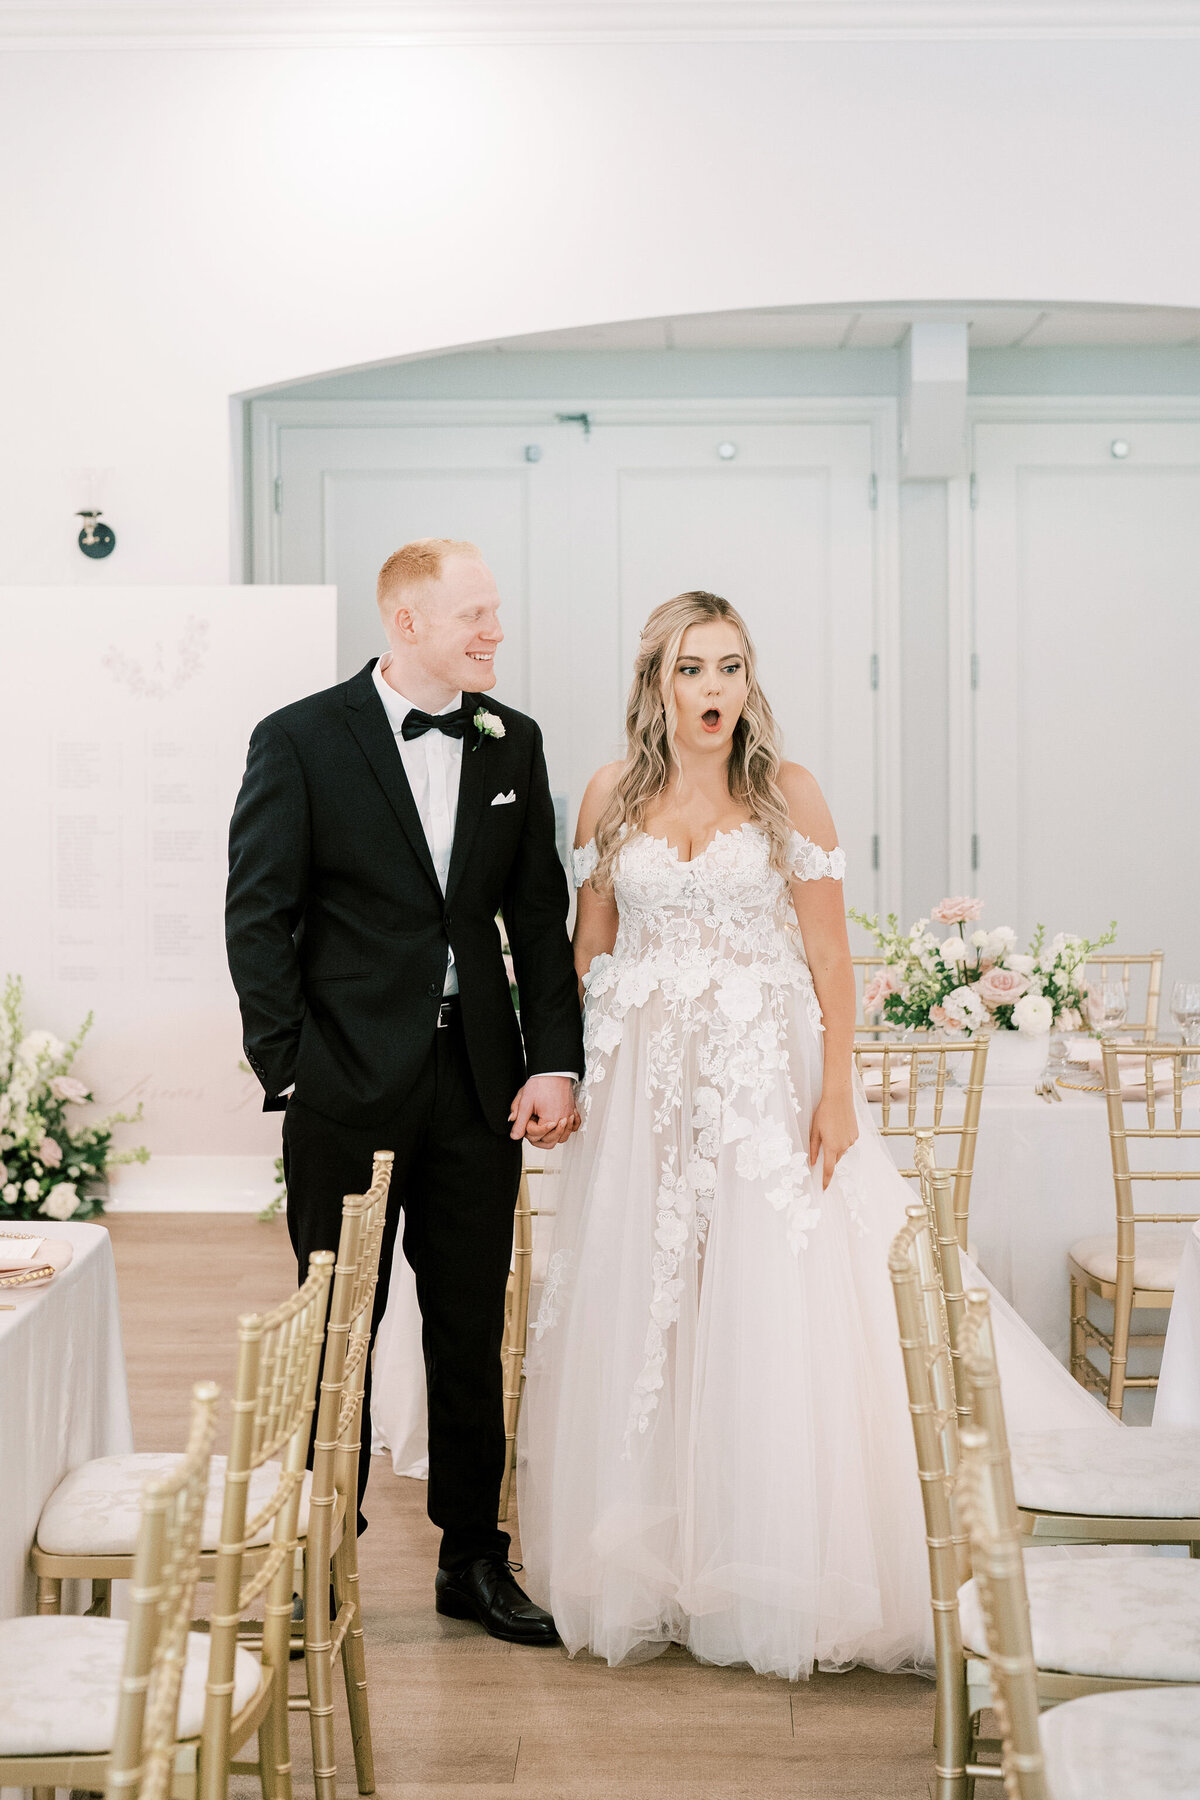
(612, 375)
(1084, 370)
(674, 374)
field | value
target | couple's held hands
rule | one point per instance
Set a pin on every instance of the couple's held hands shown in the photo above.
(834, 1130)
(544, 1111)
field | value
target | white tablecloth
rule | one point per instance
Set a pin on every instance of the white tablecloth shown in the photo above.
(63, 1394)
(1178, 1399)
(1043, 1177)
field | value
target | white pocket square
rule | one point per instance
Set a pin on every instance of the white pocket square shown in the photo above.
(505, 799)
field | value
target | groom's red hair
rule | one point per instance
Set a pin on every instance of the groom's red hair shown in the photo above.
(415, 563)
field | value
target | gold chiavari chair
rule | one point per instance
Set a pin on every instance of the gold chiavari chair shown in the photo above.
(962, 1685)
(1092, 1620)
(1134, 1268)
(516, 1329)
(907, 1107)
(869, 1024)
(1111, 965)
(330, 1546)
(275, 1394)
(1088, 1485)
(259, 1492)
(94, 1703)
(1120, 1745)
(531, 1205)
(1100, 1623)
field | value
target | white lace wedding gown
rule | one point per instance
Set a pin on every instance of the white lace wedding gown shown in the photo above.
(716, 1448)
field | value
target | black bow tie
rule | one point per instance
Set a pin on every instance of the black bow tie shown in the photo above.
(418, 723)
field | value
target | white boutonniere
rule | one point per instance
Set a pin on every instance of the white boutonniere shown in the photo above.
(487, 725)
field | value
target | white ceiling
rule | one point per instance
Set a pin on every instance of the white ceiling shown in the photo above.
(989, 327)
(203, 22)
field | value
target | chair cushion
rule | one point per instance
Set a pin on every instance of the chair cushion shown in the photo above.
(59, 1679)
(1134, 1617)
(1137, 1474)
(1158, 1249)
(97, 1508)
(1143, 1744)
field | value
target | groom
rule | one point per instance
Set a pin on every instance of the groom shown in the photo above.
(380, 828)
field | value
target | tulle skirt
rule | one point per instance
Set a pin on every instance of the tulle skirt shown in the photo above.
(715, 1442)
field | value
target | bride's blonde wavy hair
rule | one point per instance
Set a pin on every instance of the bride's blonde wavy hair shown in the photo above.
(650, 726)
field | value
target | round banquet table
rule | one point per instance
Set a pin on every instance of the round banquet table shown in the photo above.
(63, 1393)
(1043, 1178)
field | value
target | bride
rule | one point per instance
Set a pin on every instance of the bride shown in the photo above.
(716, 1446)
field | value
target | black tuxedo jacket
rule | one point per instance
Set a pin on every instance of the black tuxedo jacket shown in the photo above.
(337, 929)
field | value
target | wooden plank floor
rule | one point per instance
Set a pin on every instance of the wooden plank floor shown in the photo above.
(456, 1715)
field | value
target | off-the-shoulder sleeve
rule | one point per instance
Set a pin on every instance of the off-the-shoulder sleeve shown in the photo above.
(583, 862)
(808, 862)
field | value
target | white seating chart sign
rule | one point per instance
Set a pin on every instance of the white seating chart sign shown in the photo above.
(124, 720)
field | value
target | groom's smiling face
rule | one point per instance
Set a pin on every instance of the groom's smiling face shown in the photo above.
(453, 625)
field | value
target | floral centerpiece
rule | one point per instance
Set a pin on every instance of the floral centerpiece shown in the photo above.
(50, 1167)
(970, 983)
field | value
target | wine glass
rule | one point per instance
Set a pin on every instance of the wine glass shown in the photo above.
(1185, 1010)
(1108, 1004)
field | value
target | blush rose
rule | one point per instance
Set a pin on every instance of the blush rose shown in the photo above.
(1001, 987)
(956, 910)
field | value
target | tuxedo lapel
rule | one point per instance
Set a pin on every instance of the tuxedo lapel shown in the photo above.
(369, 723)
(471, 783)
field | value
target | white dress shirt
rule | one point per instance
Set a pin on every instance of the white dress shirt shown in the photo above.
(433, 764)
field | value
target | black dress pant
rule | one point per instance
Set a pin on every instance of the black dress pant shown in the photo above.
(456, 1181)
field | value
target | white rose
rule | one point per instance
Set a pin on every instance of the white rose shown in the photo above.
(672, 1233)
(702, 1174)
(1020, 964)
(1001, 941)
(488, 723)
(606, 1034)
(1033, 1014)
(690, 981)
(707, 1104)
(600, 976)
(953, 951)
(980, 940)
(32, 1190)
(740, 997)
(635, 986)
(61, 1201)
(11, 1193)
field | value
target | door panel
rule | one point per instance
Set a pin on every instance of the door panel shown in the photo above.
(353, 495)
(586, 539)
(1087, 620)
(783, 531)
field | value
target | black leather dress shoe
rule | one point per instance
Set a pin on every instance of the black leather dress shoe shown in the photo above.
(486, 1592)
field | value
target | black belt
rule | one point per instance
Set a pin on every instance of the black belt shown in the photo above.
(446, 1011)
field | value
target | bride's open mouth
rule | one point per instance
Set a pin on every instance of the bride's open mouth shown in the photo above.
(711, 720)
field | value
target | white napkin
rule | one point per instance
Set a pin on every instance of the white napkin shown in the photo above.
(18, 1252)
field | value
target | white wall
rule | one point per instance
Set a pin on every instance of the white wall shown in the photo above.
(182, 225)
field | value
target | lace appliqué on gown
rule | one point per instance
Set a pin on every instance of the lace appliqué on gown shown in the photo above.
(714, 941)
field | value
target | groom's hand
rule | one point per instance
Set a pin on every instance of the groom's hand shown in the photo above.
(544, 1111)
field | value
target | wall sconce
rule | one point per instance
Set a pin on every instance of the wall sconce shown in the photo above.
(95, 540)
